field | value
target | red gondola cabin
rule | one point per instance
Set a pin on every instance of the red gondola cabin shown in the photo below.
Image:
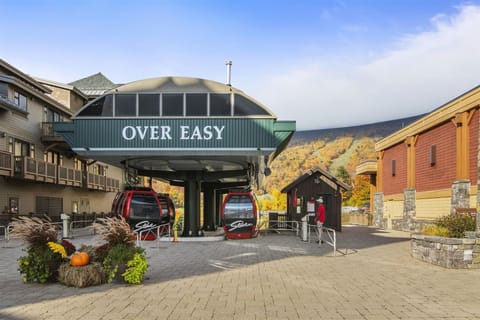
(239, 215)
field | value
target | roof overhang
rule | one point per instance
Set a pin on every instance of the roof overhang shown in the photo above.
(366, 168)
(163, 147)
(444, 113)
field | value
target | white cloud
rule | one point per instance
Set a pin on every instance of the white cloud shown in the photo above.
(415, 75)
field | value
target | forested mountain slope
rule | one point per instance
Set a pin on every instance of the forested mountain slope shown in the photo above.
(329, 149)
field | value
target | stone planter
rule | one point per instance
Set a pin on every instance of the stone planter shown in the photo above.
(455, 253)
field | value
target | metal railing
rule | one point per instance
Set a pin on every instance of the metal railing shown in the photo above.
(330, 239)
(89, 223)
(280, 225)
(159, 231)
(6, 234)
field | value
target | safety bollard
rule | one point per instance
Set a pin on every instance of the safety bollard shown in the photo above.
(66, 225)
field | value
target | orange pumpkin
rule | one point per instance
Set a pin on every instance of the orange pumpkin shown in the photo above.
(79, 259)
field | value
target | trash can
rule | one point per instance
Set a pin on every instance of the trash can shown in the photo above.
(305, 228)
(65, 225)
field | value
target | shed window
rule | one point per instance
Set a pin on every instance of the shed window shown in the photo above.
(172, 104)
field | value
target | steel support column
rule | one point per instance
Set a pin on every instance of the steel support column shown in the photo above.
(209, 221)
(192, 205)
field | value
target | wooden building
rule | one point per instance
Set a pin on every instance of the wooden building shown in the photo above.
(313, 184)
(428, 169)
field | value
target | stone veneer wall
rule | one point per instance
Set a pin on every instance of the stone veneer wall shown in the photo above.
(378, 219)
(447, 252)
(460, 195)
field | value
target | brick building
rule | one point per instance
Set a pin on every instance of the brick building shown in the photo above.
(428, 169)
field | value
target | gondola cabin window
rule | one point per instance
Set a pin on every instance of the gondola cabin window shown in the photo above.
(239, 214)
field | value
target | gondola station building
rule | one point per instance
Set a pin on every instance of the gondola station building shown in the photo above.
(67, 149)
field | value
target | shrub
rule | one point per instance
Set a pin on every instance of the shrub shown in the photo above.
(136, 268)
(457, 224)
(434, 230)
(120, 257)
(40, 264)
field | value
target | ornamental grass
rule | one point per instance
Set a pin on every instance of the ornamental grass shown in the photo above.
(115, 231)
(37, 232)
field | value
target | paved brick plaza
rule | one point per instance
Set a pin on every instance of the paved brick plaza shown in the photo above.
(270, 277)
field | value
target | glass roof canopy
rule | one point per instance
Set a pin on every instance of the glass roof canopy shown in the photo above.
(170, 126)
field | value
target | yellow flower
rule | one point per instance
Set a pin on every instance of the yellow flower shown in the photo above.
(57, 248)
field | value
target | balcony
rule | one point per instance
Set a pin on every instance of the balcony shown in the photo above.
(6, 164)
(53, 140)
(37, 170)
(69, 177)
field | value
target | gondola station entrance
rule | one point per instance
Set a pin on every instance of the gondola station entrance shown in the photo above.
(199, 134)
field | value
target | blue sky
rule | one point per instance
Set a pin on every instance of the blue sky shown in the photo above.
(323, 63)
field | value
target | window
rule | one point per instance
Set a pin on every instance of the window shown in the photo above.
(103, 107)
(53, 157)
(433, 155)
(196, 104)
(51, 116)
(144, 206)
(21, 148)
(74, 206)
(49, 205)
(172, 104)
(99, 170)
(239, 207)
(125, 105)
(245, 107)
(148, 105)
(77, 164)
(220, 105)
(4, 90)
(393, 163)
(20, 100)
(13, 205)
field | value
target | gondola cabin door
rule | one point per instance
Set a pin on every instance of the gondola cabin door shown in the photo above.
(239, 215)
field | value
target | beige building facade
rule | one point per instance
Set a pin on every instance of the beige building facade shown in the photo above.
(39, 173)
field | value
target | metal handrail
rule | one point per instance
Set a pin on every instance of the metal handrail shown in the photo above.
(331, 236)
(154, 229)
(91, 222)
(283, 226)
(6, 233)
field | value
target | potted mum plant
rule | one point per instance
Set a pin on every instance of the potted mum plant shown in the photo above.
(44, 253)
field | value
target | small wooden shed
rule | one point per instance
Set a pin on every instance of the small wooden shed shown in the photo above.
(313, 184)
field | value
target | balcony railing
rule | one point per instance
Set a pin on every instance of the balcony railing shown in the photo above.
(47, 130)
(6, 164)
(69, 177)
(38, 170)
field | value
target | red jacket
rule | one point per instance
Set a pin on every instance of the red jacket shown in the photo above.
(321, 213)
